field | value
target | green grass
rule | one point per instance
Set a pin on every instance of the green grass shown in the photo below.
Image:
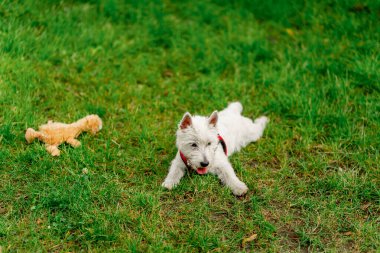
(312, 67)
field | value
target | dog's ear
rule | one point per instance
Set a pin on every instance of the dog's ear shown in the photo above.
(186, 121)
(213, 119)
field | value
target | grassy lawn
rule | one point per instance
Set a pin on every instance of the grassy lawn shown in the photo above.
(312, 67)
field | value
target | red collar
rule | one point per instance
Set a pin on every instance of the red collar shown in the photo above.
(221, 141)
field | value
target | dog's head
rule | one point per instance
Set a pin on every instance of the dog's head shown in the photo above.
(197, 139)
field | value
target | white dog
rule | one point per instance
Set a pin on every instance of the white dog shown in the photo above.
(204, 145)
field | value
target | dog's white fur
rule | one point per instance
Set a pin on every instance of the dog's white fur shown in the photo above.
(237, 132)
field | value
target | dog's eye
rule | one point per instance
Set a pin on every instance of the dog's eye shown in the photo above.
(194, 145)
(209, 143)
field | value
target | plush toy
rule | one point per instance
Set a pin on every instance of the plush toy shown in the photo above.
(55, 133)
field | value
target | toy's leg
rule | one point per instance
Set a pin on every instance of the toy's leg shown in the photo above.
(53, 150)
(73, 142)
(31, 134)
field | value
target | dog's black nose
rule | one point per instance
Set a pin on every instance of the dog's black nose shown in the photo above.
(204, 164)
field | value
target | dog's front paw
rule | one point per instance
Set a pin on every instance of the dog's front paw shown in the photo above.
(239, 189)
(262, 120)
(168, 184)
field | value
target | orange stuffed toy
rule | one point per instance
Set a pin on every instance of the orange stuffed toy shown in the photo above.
(55, 133)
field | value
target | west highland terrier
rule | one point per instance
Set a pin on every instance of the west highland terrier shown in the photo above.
(204, 145)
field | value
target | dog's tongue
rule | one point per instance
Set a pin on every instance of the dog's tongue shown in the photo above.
(202, 171)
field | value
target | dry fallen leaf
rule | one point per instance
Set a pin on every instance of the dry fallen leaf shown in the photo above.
(39, 221)
(249, 239)
(290, 32)
(365, 206)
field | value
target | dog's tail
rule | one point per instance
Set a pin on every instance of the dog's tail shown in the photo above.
(235, 107)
